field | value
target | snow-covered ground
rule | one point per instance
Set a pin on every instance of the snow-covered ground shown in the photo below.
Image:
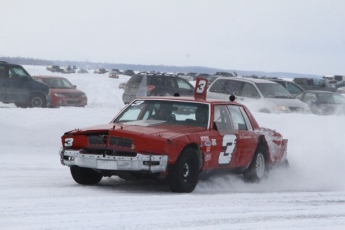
(37, 192)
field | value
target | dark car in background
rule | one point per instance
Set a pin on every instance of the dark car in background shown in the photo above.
(146, 84)
(18, 87)
(100, 71)
(63, 92)
(314, 84)
(323, 102)
(114, 73)
(128, 72)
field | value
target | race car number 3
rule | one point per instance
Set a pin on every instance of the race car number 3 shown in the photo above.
(229, 144)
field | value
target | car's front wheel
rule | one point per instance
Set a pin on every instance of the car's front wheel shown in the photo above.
(184, 174)
(37, 101)
(85, 176)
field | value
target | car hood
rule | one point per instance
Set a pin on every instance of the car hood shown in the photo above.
(57, 90)
(141, 128)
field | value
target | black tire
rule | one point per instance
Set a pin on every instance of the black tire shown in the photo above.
(37, 101)
(85, 176)
(184, 174)
(258, 168)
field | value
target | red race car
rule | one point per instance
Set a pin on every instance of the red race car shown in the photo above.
(179, 139)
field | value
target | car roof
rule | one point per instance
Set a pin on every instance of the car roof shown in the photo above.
(252, 80)
(188, 99)
(9, 64)
(320, 91)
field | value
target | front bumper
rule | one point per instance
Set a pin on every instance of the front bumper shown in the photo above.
(140, 162)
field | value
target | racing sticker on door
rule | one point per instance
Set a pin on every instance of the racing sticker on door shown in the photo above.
(229, 144)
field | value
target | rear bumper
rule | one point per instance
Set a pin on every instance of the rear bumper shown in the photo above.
(141, 162)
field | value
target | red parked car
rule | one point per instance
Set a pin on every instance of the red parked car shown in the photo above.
(177, 138)
(63, 92)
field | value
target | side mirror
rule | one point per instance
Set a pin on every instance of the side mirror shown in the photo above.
(74, 86)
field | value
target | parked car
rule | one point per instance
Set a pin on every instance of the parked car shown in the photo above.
(68, 69)
(224, 74)
(100, 71)
(145, 84)
(82, 70)
(151, 139)
(190, 76)
(128, 72)
(54, 68)
(340, 84)
(18, 87)
(290, 86)
(323, 102)
(114, 73)
(258, 94)
(314, 84)
(63, 92)
(202, 75)
(122, 85)
(211, 79)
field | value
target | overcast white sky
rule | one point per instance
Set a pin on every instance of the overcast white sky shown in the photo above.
(305, 36)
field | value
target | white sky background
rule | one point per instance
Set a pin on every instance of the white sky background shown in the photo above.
(38, 193)
(268, 35)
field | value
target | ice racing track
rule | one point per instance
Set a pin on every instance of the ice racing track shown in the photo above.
(37, 192)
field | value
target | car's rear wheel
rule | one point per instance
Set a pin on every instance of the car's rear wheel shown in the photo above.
(37, 101)
(258, 168)
(184, 174)
(85, 176)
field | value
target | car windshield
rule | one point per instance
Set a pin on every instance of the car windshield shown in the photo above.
(58, 83)
(154, 112)
(330, 98)
(273, 90)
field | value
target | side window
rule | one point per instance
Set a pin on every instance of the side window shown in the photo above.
(222, 121)
(2, 72)
(156, 81)
(250, 91)
(237, 117)
(183, 84)
(169, 82)
(17, 72)
(309, 97)
(218, 86)
(234, 87)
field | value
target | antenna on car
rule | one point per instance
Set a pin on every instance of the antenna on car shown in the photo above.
(176, 94)
(232, 98)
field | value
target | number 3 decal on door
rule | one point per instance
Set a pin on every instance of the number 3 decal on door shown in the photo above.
(229, 144)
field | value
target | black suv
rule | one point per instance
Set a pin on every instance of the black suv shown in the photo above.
(314, 84)
(18, 87)
(146, 84)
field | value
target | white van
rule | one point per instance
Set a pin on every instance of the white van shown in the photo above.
(258, 95)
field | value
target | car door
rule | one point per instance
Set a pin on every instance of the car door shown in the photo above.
(18, 85)
(233, 133)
